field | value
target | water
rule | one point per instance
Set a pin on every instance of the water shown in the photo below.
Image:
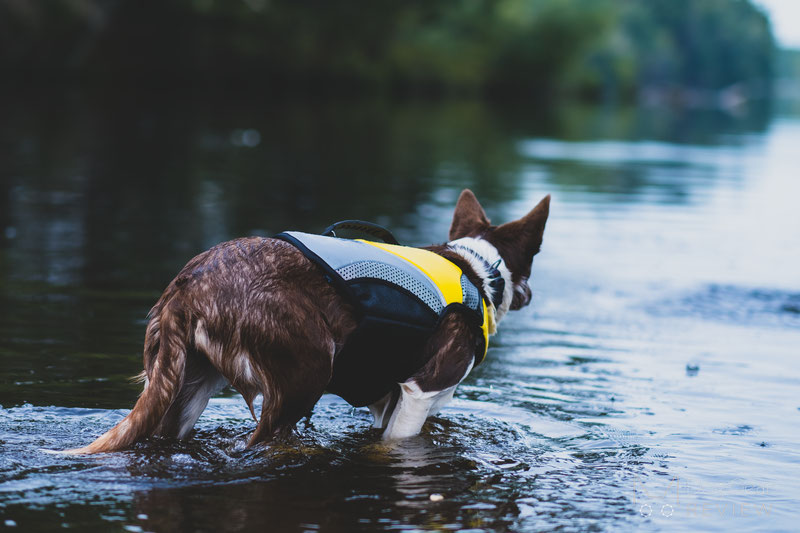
(652, 384)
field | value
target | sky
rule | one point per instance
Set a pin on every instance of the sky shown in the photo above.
(785, 17)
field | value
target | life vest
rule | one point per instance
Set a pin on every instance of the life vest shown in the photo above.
(400, 295)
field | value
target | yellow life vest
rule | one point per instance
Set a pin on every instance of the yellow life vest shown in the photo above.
(400, 294)
(445, 274)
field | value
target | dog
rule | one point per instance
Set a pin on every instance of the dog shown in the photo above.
(259, 315)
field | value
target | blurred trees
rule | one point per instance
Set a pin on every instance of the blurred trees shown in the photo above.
(530, 47)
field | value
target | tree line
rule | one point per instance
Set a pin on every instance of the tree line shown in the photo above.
(588, 48)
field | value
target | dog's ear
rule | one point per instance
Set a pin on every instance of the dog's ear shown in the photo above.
(469, 217)
(522, 238)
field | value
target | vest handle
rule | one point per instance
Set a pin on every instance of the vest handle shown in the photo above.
(370, 228)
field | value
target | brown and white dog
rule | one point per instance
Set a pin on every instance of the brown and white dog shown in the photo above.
(255, 313)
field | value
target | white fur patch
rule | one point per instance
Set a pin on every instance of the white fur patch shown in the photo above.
(244, 369)
(415, 406)
(212, 349)
(411, 411)
(489, 253)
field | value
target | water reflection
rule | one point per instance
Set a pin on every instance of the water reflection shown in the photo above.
(118, 190)
(147, 170)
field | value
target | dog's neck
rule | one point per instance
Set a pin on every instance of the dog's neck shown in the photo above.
(481, 257)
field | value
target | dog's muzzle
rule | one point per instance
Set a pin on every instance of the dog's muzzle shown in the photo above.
(522, 295)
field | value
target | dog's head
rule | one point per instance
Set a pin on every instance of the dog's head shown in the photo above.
(509, 248)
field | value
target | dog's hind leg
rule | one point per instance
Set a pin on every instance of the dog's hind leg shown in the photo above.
(295, 381)
(201, 382)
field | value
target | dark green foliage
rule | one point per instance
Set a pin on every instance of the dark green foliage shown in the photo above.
(703, 44)
(532, 47)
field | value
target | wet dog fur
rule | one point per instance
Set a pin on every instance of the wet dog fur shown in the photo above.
(256, 314)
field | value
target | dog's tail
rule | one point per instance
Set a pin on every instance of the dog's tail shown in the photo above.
(165, 360)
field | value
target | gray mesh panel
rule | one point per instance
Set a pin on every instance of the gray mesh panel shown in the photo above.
(392, 274)
(472, 298)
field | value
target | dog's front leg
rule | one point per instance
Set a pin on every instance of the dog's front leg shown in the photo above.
(413, 408)
(453, 346)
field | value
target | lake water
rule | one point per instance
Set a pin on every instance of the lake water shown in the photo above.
(653, 383)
